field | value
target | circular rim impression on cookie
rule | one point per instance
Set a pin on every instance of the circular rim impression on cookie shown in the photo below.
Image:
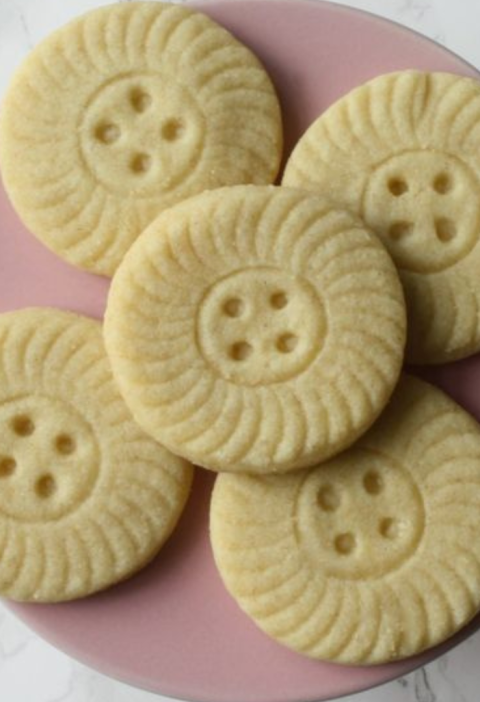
(125, 111)
(430, 205)
(359, 526)
(86, 498)
(55, 454)
(231, 335)
(372, 556)
(143, 133)
(257, 326)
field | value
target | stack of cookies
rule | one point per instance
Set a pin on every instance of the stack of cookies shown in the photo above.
(255, 330)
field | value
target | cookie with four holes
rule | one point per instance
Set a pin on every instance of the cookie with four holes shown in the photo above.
(125, 111)
(256, 329)
(371, 557)
(86, 498)
(402, 151)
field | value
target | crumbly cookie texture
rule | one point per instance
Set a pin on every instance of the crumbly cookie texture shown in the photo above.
(373, 556)
(403, 151)
(125, 111)
(86, 498)
(256, 329)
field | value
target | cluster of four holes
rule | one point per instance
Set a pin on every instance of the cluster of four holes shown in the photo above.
(445, 228)
(140, 101)
(329, 501)
(23, 427)
(241, 350)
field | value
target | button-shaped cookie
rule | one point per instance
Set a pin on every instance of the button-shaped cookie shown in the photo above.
(402, 152)
(256, 329)
(374, 555)
(86, 498)
(125, 111)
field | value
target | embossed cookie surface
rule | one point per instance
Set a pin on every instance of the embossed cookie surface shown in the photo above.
(371, 557)
(256, 328)
(122, 113)
(86, 498)
(403, 152)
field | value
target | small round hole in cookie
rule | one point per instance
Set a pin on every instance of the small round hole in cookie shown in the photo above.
(240, 351)
(279, 300)
(22, 425)
(327, 498)
(400, 229)
(140, 100)
(344, 543)
(45, 486)
(287, 343)
(445, 229)
(372, 483)
(233, 307)
(172, 129)
(7, 466)
(388, 528)
(442, 183)
(107, 133)
(397, 186)
(140, 163)
(65, 444)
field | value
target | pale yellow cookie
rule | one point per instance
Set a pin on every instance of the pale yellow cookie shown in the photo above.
(371, 557)
(125, 111)
(86, 498)
(256, 329)
(403, 151)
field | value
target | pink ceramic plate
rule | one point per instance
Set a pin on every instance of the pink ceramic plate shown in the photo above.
(173, 629)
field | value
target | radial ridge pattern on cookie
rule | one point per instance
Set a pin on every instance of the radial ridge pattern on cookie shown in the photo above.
(86, 498)
(256, 328)
(372, 556)
(122, 113)
(402, 151)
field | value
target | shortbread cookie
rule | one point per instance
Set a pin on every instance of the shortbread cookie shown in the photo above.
(403, 151)
(371, 557)
(124, 112)
(86, 498)
(256, 329)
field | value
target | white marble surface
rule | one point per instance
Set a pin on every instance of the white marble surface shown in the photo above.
(31, 670)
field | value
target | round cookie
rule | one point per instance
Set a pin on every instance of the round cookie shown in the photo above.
(403, 151)
(371, 557)
(86, 498)
(125, 111)
(256, 329)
